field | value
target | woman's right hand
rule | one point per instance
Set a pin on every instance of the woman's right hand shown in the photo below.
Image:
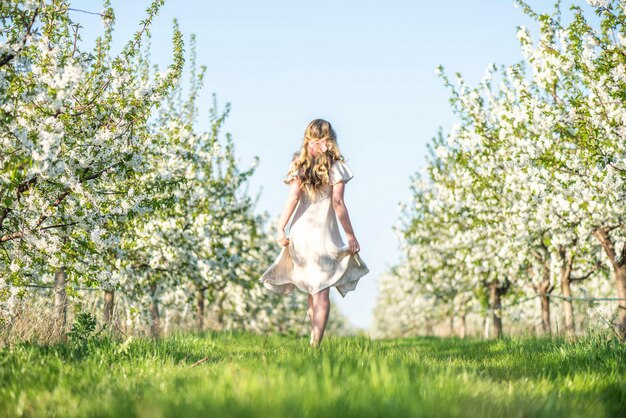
(353, 244)
(282, 239)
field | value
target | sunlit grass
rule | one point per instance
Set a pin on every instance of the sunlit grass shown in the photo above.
(245, 375)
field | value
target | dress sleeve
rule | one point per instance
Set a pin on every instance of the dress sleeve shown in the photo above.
(340, 172)
(291, 174)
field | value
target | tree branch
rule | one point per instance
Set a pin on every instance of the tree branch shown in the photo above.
(99, 173)
(86, 12)
(602, 235)
(56, 203)
(7, 57)
(12, 236)
(58, 226)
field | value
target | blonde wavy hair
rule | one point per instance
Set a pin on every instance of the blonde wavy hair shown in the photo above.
(313, 169)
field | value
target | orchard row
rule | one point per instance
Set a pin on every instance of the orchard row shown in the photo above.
(524, 197)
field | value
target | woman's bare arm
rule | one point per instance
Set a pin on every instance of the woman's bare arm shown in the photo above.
(342, 214)
(290, 205)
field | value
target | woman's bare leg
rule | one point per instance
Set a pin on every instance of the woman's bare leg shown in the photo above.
(321, 311)
(310, 310)
(310, 314)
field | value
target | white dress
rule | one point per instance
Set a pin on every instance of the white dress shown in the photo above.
(316, 257)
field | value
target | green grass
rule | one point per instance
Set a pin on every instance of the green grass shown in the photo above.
(250, 376)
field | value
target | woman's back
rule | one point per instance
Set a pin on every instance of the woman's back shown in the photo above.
(316, 256)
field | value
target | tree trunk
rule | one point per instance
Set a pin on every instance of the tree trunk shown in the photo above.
(220, 312)
(200, 309)
(451, 325)
(565, 279)
(155, 322)
(620, 284)
(495, 294)
(496, 313)
(463, 328)
(568, 308)
(544, 288)
(619, 271)
(109, 302)
(545, 313)
(429, 326)
(60, 302)
(486, 326)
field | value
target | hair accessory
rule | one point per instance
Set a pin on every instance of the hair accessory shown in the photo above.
(317, 146)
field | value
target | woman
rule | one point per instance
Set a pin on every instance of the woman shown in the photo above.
(314, 257)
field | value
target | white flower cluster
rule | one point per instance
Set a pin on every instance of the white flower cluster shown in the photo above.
(599, 3)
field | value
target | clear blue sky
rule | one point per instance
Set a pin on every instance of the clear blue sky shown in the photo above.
(366, 66)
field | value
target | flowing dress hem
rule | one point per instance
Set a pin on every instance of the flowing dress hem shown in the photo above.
(345, 278)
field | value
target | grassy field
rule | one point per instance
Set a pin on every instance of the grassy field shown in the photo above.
(245, 375)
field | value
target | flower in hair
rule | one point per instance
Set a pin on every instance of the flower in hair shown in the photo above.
(317, 146)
